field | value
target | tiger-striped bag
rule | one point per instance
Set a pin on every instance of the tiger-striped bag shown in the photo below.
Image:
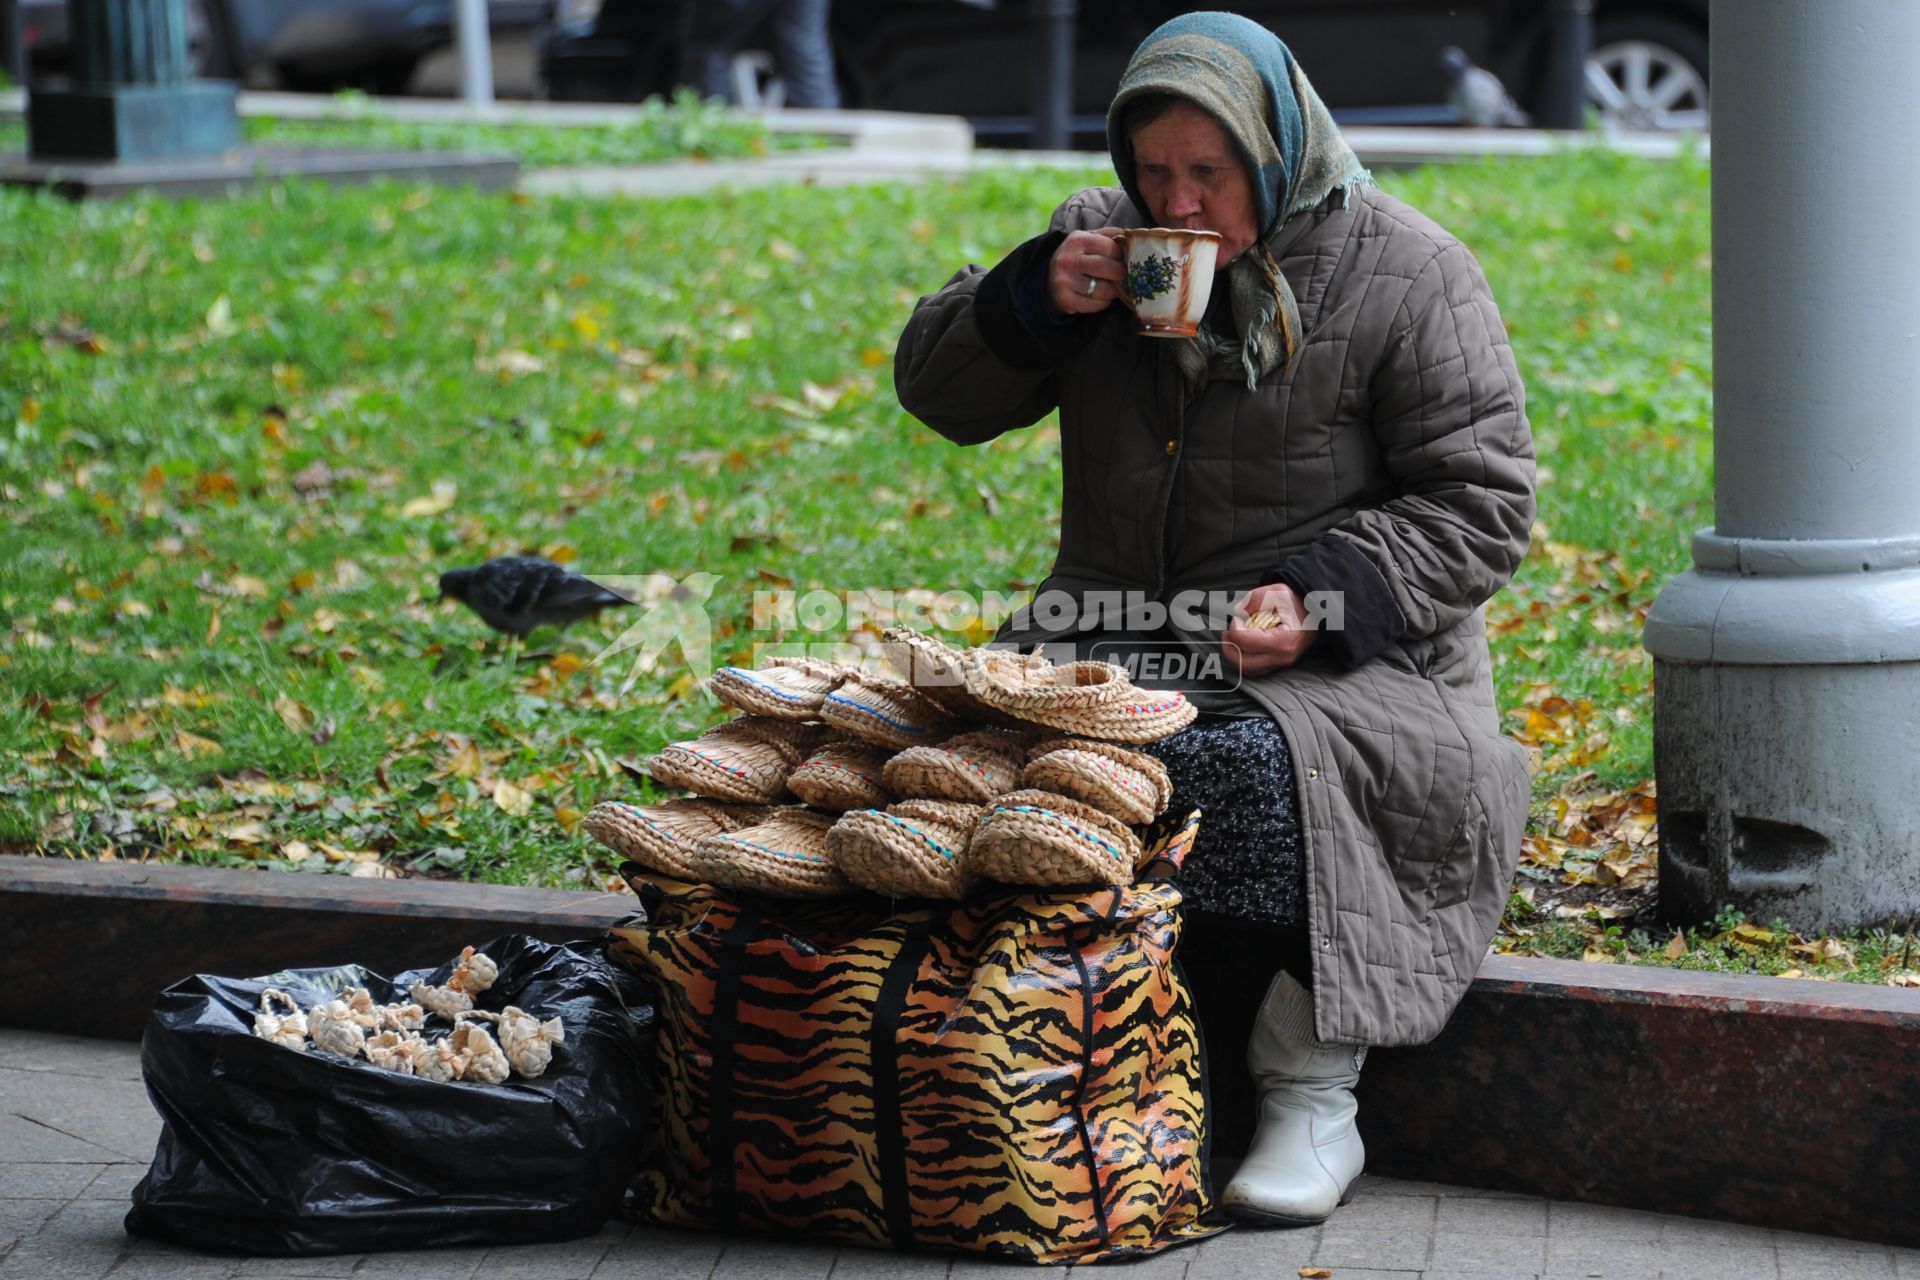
(1020, 1074)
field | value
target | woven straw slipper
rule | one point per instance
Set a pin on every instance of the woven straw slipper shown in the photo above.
(842, 775)
(660, 837)
(938, 671)
(885, 713)
(971, 767)
(1036, 837)
(785, 689)
(916, 849)
(1092, 699)
(784, 856)
(747, 760)
(1130, 785)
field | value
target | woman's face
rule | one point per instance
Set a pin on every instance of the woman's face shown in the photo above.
(1192, 178)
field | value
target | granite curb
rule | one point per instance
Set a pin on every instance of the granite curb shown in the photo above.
(1771, 1102)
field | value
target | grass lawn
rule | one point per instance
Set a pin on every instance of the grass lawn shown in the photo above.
(685, 128)
(241, 438)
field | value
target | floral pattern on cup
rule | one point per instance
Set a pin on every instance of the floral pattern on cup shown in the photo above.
(1152, 276)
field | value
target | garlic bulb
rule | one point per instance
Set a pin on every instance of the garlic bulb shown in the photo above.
(334, 1030)
(474, 973)
(437, 1061)
(401, 1017)
(480, 1054)
(448, 1002)
(528, 1041)
(394, 1051)
(289, 1029)
(360, 1006)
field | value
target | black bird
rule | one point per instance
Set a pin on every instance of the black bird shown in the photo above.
(515, 594)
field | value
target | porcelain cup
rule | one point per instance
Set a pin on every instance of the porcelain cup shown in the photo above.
(1169, 278)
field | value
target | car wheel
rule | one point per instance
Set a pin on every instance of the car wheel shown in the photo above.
(209, 52)
(1648, 72)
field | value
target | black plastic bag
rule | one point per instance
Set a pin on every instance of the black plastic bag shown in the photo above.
(271, 1151)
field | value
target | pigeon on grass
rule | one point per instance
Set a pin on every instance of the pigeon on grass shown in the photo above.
(1477, 95)
(515, 594)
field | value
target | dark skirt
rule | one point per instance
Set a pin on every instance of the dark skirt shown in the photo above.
(1249, 861)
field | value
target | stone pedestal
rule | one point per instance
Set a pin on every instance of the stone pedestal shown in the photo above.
(133, 122)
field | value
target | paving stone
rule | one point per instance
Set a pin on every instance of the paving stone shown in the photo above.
(1689, 1232)
(1711, 1262)
(1455, 1251)
(1831, 1264)
(968, 1267)
(28, 1142)
(880, 1264)
(1369, 1185)
(37, 1181)
(1384, 1233)
(770, 1259)
(322, 1268)
(566, 1260)
(1246, 1251)
(1575, 1223)
(1613, 1260)
(174, 1264)
(650, 1253)
(1515, 1217)
(70, 1056)
(80, 1242)
(1808, 1242)
(1170, 1264)
(24, 1217)
(1431, 1274)
(423, 1264)
(113, 1116)
(1906, 1263)
(116, 1182)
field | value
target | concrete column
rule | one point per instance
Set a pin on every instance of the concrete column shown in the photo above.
(132, 97)
(1787, 662)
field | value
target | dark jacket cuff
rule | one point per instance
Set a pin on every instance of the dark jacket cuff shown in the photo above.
(1369, 617)
(997, 311)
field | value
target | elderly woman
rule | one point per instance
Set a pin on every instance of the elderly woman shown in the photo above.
(1344, 443)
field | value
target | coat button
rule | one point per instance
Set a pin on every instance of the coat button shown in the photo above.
(1313, 773)
(1173, 446)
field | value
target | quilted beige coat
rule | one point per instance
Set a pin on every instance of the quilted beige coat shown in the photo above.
(1400, 429)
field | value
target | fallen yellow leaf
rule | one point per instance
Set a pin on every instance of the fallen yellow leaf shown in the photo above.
(1314, 1273)
(512, 800)
(296, 717)
(193, 746)
(465, 762)
(440, 499)
(1677, 947)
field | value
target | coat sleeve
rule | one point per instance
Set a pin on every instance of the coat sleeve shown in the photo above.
(968, 365)
(1450, 417)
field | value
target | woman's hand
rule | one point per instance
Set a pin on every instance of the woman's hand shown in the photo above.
(1255, 650)
(1086, 271)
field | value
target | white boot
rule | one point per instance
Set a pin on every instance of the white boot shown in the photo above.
(1306, 1152)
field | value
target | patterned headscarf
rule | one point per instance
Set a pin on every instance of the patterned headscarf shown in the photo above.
(1241, 74)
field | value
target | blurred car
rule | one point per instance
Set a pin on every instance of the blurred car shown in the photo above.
(1374, 61)
(310, 44)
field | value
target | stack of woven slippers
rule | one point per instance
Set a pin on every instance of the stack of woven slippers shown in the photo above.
(980, 765)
